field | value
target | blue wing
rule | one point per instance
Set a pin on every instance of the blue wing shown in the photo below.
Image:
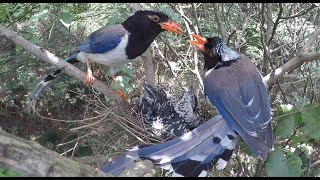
(241, 97)
(103, 40)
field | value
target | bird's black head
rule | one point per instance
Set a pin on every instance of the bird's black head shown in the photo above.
(214, 50)
(151, 21)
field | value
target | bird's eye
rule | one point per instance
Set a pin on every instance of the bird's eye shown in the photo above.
(154, 18)
(209, 52)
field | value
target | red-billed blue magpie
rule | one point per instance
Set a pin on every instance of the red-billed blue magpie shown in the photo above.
(114, 45)
(234, 85)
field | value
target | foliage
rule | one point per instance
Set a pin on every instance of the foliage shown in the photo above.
(280, 164)
(6, 173)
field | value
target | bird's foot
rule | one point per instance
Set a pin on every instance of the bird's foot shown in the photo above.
(89, 78)
(88, 81)
(119, 92)
(122, 95)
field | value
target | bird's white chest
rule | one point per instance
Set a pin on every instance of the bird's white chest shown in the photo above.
(114, 57)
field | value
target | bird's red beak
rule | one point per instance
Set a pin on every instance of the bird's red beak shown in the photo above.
(172, 27)
(199, 42)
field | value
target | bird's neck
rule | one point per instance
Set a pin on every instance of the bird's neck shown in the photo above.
(139, 40)
(215, 64)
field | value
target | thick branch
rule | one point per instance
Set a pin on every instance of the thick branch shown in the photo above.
(45, 55)
(29, 158)
(302, 57)
(289, 66)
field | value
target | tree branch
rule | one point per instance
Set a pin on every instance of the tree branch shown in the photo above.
(42, 54)
(218, 18)
(195, 14)
(29, 158)
(302, 57)
(300, 13)
(275, 24)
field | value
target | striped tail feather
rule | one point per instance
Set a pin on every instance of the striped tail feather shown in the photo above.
(191, 154)
(32, 98)
(120, 164)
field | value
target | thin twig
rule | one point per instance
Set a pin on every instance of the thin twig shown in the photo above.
(302, 12)
(283, 95)
(311, 166)
(195, 14)
(275, 24)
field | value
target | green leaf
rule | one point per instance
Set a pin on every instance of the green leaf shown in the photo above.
(285, 166)
(65, 18)
(34, 39)
(114, 20)
(286, 125)
(312, 122)
(43, 5)
(107, 99)
(18, 48)
(298, 139)
(123, 8)
(12, 174)
(30, 29)
(39, 15)
(128, 71)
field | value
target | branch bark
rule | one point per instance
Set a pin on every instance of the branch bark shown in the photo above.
(42, 54)
(29, 158)
(218, 18)
(302, 12)
(302, 56)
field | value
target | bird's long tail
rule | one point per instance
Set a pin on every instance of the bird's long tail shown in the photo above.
(32, 98)
(191, 154)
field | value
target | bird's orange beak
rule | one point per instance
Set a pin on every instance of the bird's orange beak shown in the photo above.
(172, 27)
(199, 42)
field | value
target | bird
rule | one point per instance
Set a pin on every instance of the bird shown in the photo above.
(166, 115)
(233, 84)
(114, 45)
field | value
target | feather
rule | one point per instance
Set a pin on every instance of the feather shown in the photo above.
(102, 40)
(32, 98)
(199, 146)
(240, 96)
(166, 117)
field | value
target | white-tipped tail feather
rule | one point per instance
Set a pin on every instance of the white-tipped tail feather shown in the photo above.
(191, 154)
(32, 98)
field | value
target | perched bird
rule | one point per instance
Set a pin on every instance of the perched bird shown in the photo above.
(164, 115)
(114, 45)
(234, 85)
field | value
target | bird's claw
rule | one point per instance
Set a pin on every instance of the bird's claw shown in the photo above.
(122, 95)
(89, 79)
